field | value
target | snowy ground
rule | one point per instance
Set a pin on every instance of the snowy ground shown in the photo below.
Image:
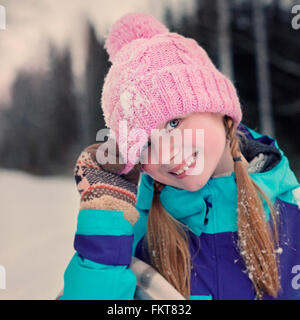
(37, 225)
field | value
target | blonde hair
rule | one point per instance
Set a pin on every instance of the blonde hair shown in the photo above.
(167, 238)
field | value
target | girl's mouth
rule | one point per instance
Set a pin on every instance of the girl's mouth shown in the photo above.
(181, 170)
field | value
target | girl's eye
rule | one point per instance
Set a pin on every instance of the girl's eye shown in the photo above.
(173, 123)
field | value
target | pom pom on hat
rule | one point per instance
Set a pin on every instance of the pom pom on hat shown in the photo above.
(130, 27)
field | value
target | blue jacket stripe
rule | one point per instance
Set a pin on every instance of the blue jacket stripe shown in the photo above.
(110, 250)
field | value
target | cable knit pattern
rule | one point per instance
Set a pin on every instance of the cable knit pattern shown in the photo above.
(157, 75)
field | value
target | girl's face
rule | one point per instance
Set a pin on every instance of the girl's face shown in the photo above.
(191, 160)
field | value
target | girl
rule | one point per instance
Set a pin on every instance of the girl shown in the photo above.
(227, 232)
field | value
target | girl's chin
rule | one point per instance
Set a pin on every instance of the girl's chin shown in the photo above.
(190, 183)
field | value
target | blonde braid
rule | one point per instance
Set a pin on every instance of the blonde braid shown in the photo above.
(256, 243)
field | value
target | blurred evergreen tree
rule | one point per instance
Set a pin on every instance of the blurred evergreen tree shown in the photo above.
(62, 107)
(41, 124)
(97, 65)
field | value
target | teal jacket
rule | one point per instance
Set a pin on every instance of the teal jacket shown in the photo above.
(105, 241)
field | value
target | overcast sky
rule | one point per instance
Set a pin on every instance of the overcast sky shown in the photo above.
(31, 23)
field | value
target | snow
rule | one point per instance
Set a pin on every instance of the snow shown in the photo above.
(131, 100)
(296, 193)
(38, 220)
(279, 250)
(125, 99)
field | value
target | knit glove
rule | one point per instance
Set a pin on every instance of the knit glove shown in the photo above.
(101, 186)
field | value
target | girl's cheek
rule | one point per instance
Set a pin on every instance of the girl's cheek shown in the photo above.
(148, 168)
(145, 168)
(152, 170)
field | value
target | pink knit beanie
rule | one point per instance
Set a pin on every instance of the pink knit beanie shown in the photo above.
(155, 76)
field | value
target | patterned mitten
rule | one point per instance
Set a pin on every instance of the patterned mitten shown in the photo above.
(101, 187)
